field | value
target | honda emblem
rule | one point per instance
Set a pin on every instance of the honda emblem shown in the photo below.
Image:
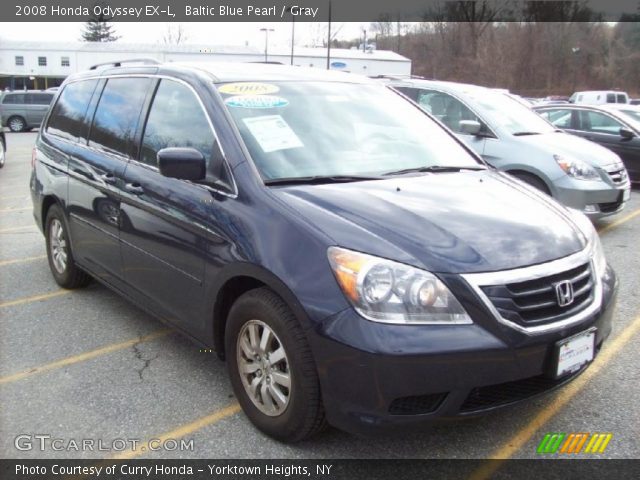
(564, 293)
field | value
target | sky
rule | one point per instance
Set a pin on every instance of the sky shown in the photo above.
(213, 33)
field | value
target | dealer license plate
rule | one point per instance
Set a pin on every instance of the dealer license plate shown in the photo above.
(575, 352)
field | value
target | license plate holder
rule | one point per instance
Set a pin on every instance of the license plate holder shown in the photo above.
(573, 353)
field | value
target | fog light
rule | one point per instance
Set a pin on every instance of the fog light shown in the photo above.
(591, 208)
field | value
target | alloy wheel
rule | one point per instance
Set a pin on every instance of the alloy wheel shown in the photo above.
(264, 368)
(58, 245)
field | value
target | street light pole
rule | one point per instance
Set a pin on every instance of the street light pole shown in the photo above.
(293, 30)
(329, 40)
(266, 42)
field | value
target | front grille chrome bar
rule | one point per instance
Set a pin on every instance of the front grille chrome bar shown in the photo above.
(486, 279)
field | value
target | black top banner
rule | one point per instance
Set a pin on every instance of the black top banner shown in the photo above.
(319, 10)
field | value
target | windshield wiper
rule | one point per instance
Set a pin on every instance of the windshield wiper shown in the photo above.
(319, 179)
(434, 169)
(522, 134)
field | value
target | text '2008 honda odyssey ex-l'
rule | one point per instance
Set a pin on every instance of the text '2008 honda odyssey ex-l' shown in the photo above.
(353, 262)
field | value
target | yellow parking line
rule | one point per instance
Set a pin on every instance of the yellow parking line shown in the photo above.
(82, 357)
(619, 222)
(515, 443)
(35, 298)
(17, 229)
(21, 209)
(183, 430)
(21, 260)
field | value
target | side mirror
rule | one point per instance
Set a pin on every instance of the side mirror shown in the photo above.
(626, 133)
(182, 163)
(470, 127)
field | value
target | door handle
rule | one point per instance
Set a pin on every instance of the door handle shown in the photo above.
(109, 178)
(134, 188)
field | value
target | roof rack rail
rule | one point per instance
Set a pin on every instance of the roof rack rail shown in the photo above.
(144, 61)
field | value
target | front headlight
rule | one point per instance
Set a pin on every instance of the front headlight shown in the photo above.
(391, 292)
(576, 168)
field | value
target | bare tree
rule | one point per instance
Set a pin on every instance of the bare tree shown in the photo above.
(175, 34)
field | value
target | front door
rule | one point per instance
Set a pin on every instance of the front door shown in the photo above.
(166, 222)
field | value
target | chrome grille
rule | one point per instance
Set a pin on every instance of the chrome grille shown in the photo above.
(534, 302)
(617, 173)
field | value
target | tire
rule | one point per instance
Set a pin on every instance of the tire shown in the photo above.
(532, 181)
(17, 124)
(3, 153)
(63, 268)
(301, 415)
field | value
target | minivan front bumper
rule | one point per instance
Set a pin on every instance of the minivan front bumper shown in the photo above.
(375, 376)
(596, 199)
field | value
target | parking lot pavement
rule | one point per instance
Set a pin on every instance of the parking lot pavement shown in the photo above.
(88, 365)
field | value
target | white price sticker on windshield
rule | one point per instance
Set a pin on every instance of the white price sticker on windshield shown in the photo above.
(272, 133)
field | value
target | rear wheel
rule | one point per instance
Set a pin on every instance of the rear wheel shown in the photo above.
(65, 272)
(17, 124)
(532, 180)
(271, 367)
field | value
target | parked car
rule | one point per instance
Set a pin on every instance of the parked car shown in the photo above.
(599, 97)
(616, 127)
(359, 266)
(3, 149)
(635, 101)
(24, 110)
(513, 138)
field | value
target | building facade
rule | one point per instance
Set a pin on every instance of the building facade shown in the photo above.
(41, 65)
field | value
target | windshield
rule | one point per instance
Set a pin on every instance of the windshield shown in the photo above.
(307, 129)
(631, 116)
(510, 114)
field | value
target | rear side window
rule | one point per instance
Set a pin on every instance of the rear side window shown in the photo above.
(67, 119)
(14, 99)
(39, 98)
(176, 119)
(622, 98)
(116, 117)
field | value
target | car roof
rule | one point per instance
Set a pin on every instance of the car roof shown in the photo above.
(233, 72)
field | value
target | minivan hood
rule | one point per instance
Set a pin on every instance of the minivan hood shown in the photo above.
(445, 222)
(571, 146)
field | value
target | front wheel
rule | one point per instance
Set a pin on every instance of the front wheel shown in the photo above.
(65, 272)
(3, 153)
(271, 367)
(533, 181)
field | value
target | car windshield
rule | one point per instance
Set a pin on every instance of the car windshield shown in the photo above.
(510, 114)
(632, 117)
(300, 129)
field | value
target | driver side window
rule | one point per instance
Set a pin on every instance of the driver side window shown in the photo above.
(449, 110)
(597, 122)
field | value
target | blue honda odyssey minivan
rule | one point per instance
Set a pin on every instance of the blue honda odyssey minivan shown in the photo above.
(353, 262)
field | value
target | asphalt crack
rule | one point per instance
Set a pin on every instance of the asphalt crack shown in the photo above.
(146, 362)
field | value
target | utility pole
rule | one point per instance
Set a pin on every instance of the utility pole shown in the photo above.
(266, 42)
(329, 40)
